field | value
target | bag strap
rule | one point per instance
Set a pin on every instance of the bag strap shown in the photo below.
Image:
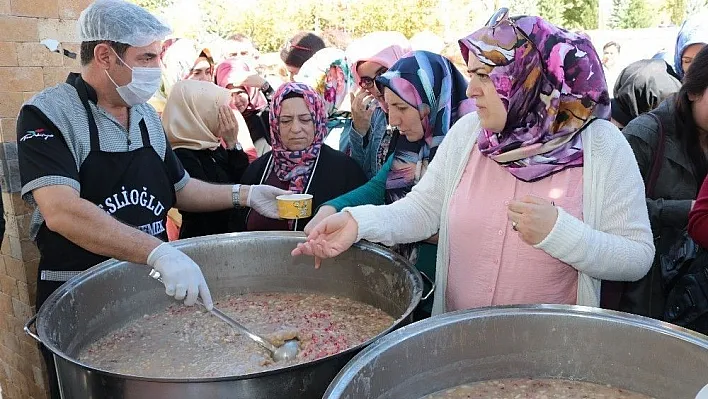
(657, 161)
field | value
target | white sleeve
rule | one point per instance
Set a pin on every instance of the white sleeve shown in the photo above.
(621, 248)
(417, 216)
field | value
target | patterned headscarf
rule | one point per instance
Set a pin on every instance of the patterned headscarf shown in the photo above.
(228, 70)
(328, 73)
(693, 31)
(552, 84)
(296, 166)
(384, 48)
(430, 83)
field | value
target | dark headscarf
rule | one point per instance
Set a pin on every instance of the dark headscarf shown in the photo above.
(431, 84)
(301, 48)
(640, 88)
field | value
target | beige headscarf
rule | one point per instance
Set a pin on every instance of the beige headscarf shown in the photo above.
(192, 114)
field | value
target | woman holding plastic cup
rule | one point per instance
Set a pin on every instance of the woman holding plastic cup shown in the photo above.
(299, 161)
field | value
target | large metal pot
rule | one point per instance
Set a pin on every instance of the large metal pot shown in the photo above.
(571, 342)
(107, 295)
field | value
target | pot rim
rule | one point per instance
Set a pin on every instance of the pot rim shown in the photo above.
(67, 287)
(366, 357)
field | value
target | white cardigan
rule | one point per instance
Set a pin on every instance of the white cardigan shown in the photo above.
(613, 242)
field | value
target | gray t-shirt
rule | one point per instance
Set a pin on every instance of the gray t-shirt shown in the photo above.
(53, 141)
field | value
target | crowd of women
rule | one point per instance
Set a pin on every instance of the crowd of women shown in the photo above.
(505, 173)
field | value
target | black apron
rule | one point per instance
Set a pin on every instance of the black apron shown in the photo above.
(134, 187)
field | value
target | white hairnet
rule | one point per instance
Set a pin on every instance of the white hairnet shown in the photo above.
(120, 21)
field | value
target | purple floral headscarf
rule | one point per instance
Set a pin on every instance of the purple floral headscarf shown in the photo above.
(552, 84)
(296, 166)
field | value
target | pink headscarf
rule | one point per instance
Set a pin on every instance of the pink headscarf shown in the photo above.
(228, 70)
(383, 48)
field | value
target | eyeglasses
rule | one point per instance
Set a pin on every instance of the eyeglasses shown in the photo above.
(367, 82)
(502, 15)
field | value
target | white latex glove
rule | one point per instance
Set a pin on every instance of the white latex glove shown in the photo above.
(181, 276)
(262, 199)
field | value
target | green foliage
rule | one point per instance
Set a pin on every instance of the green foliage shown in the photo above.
(523, 7)
(581, 14)
(677, 10)
(631, 14)
(619, 9)
(270, 22)
(552, 11)
(153, 5)
(639, 15)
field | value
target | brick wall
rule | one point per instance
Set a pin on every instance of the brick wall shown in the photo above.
(26, 67)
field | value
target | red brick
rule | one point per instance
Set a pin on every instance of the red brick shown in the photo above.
(10, 103)
(8, 54)
(19, 29)
(37, 54)
(8, 285)
(21, 79)
(71, 9)
(35, 8)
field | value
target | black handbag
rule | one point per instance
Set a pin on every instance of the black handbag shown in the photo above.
(683, 269)
(684, 272)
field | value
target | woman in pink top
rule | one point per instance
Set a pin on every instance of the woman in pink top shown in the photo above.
(537, 196)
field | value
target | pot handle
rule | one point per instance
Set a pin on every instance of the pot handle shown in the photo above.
(28, 329)
(432, 284)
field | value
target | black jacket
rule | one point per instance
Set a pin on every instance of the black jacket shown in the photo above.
(336, 174)
(220, 166)
(677, 186)
(259, 125)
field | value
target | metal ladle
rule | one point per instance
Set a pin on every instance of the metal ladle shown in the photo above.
(288, 351)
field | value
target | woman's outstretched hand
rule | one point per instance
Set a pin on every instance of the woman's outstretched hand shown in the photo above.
(331, 237)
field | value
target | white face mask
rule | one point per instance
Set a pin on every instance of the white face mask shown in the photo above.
(144, 84)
